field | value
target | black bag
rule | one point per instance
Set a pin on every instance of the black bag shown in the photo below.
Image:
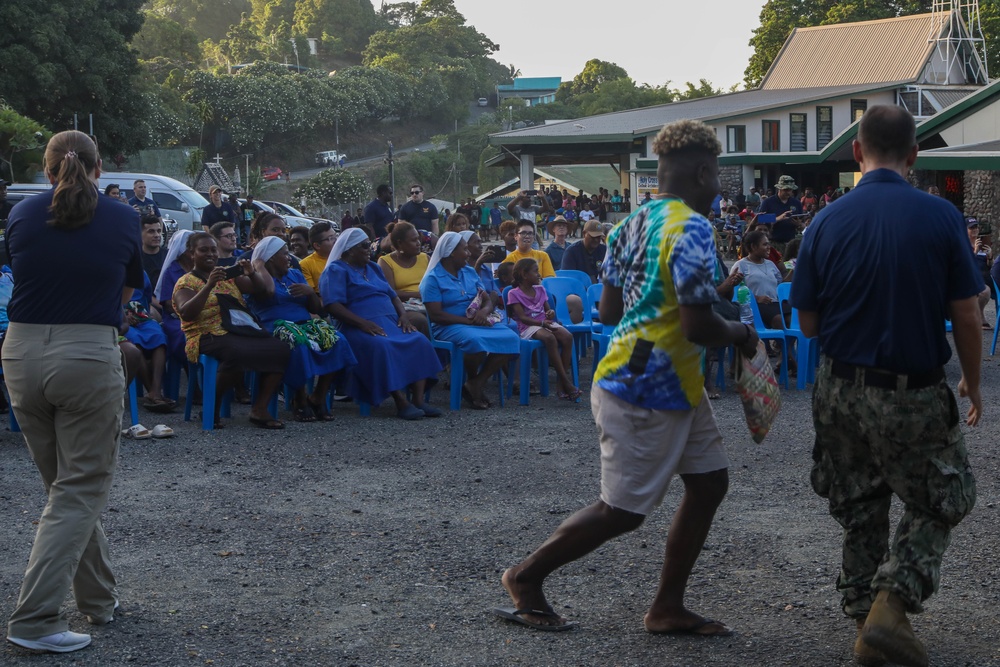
(236, 319)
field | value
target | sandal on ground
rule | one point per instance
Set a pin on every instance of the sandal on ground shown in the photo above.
(714, 395)
(410, 413)
(137, 432)
(304, 415)
(160, 405)
(322, 414)
(161, 431)
(430, 411)
(518, 616)
(473, 403)
(270, 424)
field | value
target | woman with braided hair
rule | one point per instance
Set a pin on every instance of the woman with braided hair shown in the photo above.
(285, 307)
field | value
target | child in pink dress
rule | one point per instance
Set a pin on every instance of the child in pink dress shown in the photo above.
(528, 305)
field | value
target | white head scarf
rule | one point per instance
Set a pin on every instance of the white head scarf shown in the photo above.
(347, 240)
(445, 247)
(267, 248)
(176, 247)
(466, 235)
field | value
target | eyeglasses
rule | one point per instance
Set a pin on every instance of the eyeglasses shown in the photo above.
(526, 234)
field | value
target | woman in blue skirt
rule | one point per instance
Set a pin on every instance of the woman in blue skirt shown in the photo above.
(146, 333)
(392, 355)
(285, 310)
(463, 312)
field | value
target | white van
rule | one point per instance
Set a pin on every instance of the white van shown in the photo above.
(174, 199)
(329, 158)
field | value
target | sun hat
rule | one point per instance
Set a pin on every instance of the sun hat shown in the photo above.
(593, 228)
(786, 183)
(560, 220)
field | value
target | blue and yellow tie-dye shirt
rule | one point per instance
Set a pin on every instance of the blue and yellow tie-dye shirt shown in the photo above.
(662, 256)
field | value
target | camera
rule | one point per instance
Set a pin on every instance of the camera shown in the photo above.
(234, 271)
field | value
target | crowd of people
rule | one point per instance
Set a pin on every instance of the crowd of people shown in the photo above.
(359, 310)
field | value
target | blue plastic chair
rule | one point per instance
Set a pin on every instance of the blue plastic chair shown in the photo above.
(600, 341)
(807, 348)
(204, 374)
(996, 325)
(579, 276)
(528, 348)
(770, 334)
(560, 288)
(11, 419)
(594, 293)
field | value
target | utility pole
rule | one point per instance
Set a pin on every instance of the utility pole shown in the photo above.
(336, 131)
(392, 177)
(458, 168)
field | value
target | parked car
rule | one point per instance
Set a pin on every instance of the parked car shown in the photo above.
(329, 158)
(271, 173)
(483, 102)
(290, 220)
(288, 210)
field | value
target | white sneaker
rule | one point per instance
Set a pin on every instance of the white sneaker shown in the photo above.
(61, 642)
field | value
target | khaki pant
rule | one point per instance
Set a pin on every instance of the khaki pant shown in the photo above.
(66, 387)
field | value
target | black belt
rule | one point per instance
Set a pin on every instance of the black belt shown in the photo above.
(873, 377)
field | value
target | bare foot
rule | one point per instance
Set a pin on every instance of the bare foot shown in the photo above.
(684, 622)
(530, 596)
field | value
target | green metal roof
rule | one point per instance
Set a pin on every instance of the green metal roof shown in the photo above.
(958, 111)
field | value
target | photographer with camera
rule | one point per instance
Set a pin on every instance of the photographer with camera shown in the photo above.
(140, 203)
(523, 207)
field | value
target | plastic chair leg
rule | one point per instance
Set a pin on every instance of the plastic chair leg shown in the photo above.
(525, 370)
(133, 402)
(364, 409)
(209, 371)
(457, 378)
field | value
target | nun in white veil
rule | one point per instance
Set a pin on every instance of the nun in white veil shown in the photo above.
(392, 355)
(459, 309)
(175, 264)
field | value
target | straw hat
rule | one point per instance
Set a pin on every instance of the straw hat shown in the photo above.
(570, 225)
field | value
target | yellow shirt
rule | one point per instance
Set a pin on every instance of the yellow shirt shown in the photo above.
(407, 280)
(545, 269)
(210, 318)
(312, 268)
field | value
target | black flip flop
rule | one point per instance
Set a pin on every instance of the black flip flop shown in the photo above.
(695, 630)
(473, 403)
(517, 616)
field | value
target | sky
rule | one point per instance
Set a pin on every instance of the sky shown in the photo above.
(655, 41)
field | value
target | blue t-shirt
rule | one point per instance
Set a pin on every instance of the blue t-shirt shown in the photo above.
(880, 267)
(782, 231)
(496, 216)
(72, 276)
(422, 215)
(378, 215)
(145, 203)
(576, 258)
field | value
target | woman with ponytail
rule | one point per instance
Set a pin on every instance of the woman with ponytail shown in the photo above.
(76, 257)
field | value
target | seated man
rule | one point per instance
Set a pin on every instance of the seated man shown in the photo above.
(225, 235)
(588, 254)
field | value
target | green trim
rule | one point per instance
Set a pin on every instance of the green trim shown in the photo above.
(771, 158)
(647, 164)
(729, 149)
(988, 162)
(502, 140)
(957, 112)
(849, 133)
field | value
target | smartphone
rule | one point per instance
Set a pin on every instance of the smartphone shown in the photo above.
(234, 271)
(499, 252)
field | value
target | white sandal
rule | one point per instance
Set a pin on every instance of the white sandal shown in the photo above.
(162, 431)
(137, 432)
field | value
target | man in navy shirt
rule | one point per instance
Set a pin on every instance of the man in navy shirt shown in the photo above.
(217, 210)
(423, 214)
(588, 254)
(139, 201)
(784, 206)
(379, 213)
(877, 275)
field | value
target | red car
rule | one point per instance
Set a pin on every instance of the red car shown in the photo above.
(271, 173)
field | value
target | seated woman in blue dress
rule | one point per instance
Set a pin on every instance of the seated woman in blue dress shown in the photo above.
(144, 331)
(289, 299)
(448, 289)
(175, 264)
(392, 355)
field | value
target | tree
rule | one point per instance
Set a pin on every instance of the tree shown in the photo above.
(350, 22)
(333, 187)
(161, 37)
(691, 91)
(18, 135)
(210, 19)
(595, 72)
(66, 56)
(779, 17)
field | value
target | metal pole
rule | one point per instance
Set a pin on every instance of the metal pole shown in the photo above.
(336, 130)
(75, 123)
(392, 177)
(91, 124)
(458, 168)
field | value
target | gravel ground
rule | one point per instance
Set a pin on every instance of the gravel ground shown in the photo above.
(371, 541)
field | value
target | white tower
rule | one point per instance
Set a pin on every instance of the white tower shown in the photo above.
(957, 33)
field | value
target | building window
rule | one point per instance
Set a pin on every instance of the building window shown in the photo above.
(858, 108)
(824, 126)
(736, 138)
(797, 132)
(771, 137)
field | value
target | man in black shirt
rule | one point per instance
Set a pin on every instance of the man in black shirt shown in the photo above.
(785, 206)
(422, 214)
(153, 252)
(5, 205)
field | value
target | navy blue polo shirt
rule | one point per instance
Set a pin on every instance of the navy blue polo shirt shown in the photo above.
(378, 215)
(422, 215)
(72, 276)
(212, 214)
(880, 267)
(782, 231)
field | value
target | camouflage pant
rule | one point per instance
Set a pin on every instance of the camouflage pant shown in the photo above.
(871, 443)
